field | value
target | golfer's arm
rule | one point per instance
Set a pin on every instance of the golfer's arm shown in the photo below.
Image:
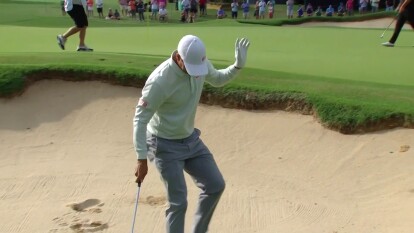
(140, 132)
(220, 77)
(152, 97)
(402, 5)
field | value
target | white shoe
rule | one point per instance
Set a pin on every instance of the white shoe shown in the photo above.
(388, 44)
(61, 41)
(84, 49)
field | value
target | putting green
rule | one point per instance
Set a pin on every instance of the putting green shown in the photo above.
(338, 53)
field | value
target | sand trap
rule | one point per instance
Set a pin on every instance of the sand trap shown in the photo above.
(67, 165)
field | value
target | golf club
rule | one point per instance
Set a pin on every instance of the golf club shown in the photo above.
(136, 207)
(382, 35)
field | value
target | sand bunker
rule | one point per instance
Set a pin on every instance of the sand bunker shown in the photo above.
(67, 165)
(376, 23)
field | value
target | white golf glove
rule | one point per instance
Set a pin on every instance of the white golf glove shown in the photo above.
(241, 52)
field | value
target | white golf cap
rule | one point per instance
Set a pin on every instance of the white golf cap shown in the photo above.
(193, 53)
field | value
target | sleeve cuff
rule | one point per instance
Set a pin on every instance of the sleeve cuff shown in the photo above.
(142, 155)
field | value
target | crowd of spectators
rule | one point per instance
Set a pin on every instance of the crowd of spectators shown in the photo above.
(191, 9)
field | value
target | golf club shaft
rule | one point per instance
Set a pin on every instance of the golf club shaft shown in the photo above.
(392, 21)
(136, 208)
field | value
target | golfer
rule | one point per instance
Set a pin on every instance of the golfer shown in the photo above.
(164, 129)
(76, 10)
(405, 13)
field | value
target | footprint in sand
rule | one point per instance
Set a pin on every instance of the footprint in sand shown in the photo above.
(404, 148)
(76, 220)
(88, 226)
(155, 201)
(84, 205)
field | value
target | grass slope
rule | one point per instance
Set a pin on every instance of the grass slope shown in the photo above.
(341, 75)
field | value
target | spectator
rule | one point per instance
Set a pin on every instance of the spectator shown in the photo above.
(141, 10)
(163, 14)
(180, 5)
(289, 8)
(154, 9)
(374, 5)
(318, 11)
(220, 13)
(77, 12)
(363, 6)
(99, 8)
(202, 7)
(389, 5)
(262, 9)
(246, 8)
(90, 7)
(116, 16)
(123, 5)
(113, 15)
(186, 11)
(133, 9)
(329, 11)
(193, 11)
(234, 9)
(162, 3)
(300, 11)
(350, 7)
(270, 8)
(110, 14)
(256, 9)
(341, 10)
(309, 9)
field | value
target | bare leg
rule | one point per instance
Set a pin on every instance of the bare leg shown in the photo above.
(71, 31)
(82, 34)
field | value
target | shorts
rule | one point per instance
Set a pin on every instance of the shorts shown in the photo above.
(99, 9)
(123, 7)
(79, 16)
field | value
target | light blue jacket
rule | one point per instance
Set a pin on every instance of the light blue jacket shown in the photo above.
(169, 102)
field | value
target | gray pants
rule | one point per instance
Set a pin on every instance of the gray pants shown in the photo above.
(172, 157)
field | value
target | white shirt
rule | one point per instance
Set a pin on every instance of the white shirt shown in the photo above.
(69, 4)
(99, 3)
(162, 12)
(169, 102)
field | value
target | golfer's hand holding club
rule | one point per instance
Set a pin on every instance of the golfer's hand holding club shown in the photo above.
(141, 170)
(241, 47)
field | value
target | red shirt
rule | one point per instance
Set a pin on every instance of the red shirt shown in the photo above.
(132, 4)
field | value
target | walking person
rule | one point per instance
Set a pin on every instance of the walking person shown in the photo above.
(76, 10)
(164, 130)
(405, 13)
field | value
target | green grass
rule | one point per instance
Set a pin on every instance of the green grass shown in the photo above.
(341, 75)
